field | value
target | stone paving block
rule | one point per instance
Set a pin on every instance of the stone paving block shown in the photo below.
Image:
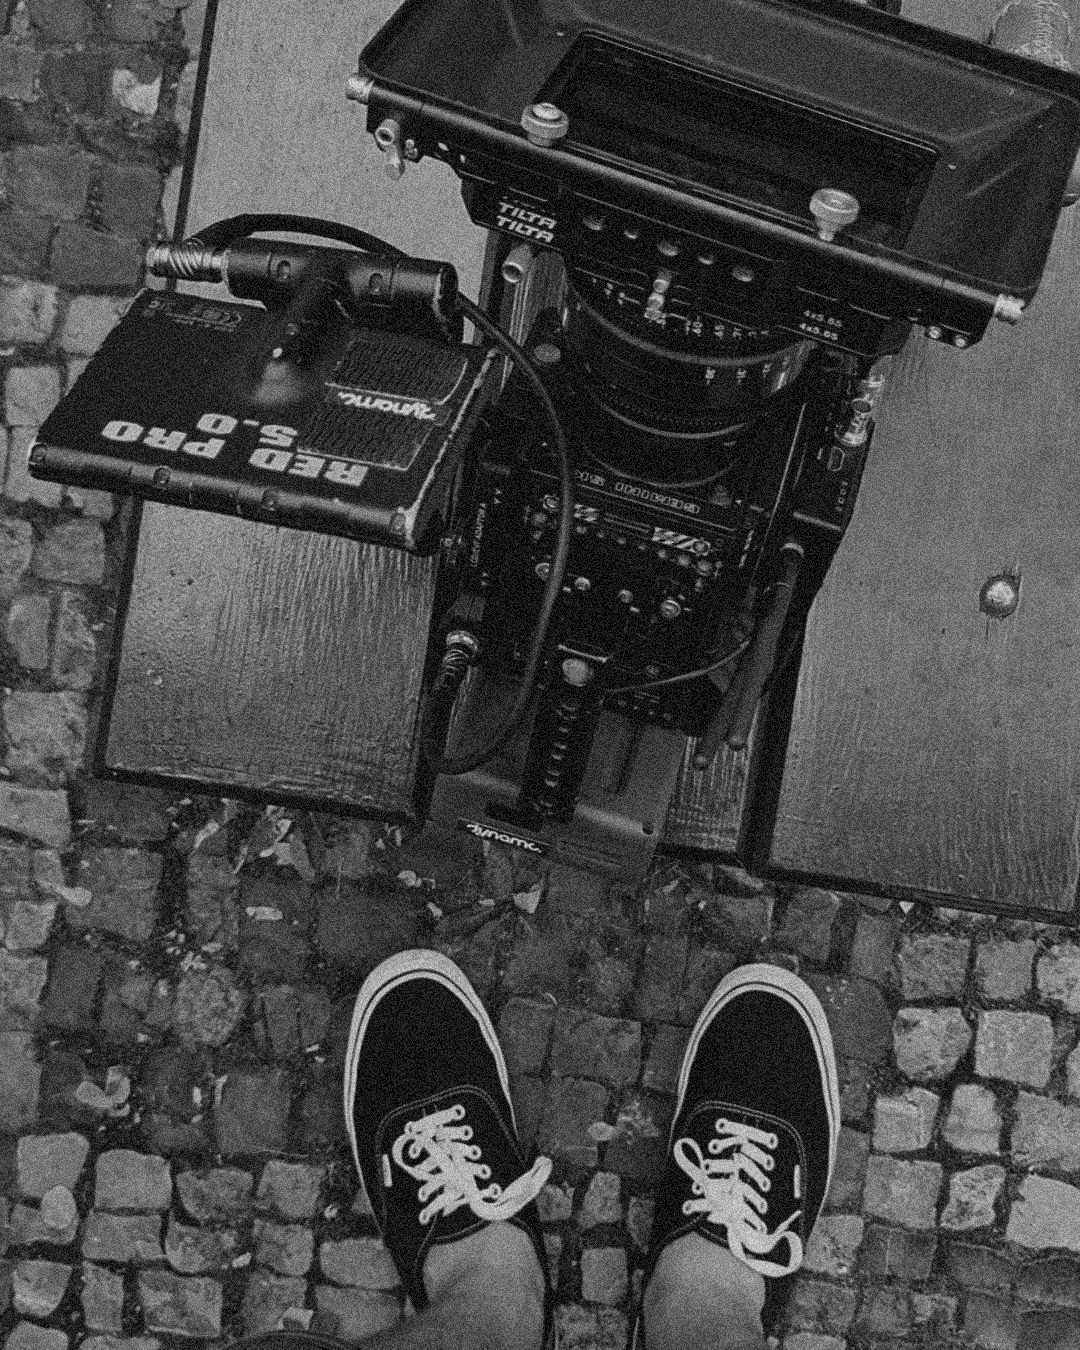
(43, 1161)
(1057, 975)
(29, 923)
(267, 1297)
(935, 1312)
(858, 1016)
(813, 1340)
(74, 651)
(586, 1045)
(74, 979)
(602, 1202)
(637, 1148)
(905, 1124)
(972, 1196)
(27, 1336)
(524, 1031)
(539, 964)
(659, 981)
(221, 1195)
(604, 1276)
(576, 1328)
(833, 1245)
(126, 1180)
(900, 1192)
(357, 1313)
(20, 1079)
(22, 978)
(873, 947)
(897, 1253)
(193, 1250)
(26, 1226)
(979, 1267)
(253, 1115)
(211, 900)
(932, 966)
(884, 1313)
(1003, 969)
(665, 1057)
(737, 923)
(807, 925)
(28, 630)
(362, 1263)
(527, 1097)
(991, 1322)
(102, 1298)
(120, 1343)
(818, 1305)
(123, 884)
(122, 1237)
(555, 1202)
(287, 1249)
(929, 1042)
(1045, 1214)
(845, 1191)
(1048, 1331)
(705, 968)
(292, 1190)
(973, 1124)
(209, 1005)
(1015, 1046)
(184, 1305)
(612, 1329)
(571, 1107)
(553, 1249)
(640, 1210)
(37, 1287)
(1055, 1280)
(605, 985)
(41, 814)
(1046, 1134)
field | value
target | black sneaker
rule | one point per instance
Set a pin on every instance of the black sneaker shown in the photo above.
(753, 1142)
(428, 1111)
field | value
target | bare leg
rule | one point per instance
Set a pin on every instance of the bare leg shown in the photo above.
(700, 1297)
(486, 1292)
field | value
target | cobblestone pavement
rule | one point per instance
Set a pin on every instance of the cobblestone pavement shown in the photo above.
(174, 1000)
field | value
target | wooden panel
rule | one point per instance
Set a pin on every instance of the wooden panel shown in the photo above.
(272, 661)
(934, 748)
(278, 133)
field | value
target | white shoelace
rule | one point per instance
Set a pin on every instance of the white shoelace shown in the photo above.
(729, 1189)
(441, 1157)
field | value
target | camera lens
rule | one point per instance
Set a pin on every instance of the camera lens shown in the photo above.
(673, 393)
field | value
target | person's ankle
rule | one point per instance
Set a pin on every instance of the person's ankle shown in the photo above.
(499, 1254)
(699, 1283)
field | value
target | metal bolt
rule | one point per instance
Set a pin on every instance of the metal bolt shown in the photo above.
(358, 87)
(833, 210)
(544, 124)
(543, 570)
(582, 584)
(670, 609)
(576, 672)
(1008, 308)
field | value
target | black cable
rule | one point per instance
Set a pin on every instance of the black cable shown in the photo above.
(687, 675)
(227, 231)
(465, 763)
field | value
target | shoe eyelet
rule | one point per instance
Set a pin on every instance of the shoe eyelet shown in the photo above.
(773, 1141)
(457, 1111)
(769, 1163)
(766, 1185)
(466, 1131)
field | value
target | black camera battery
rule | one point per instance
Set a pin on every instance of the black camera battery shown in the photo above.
(190, 402)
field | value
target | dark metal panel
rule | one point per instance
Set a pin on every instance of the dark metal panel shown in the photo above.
(258, 659)
(934, 748)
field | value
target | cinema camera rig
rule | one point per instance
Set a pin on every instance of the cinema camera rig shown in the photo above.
(712, 223)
